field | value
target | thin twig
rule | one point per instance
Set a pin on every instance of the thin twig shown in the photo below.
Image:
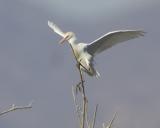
(111, 122)
(83, 89)
(94, 117)
(76, 105)
(14, 108)
(87, 119)
(84, 97)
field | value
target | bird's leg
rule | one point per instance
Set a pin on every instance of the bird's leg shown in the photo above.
(79, 85)
(78, 88)
(83, 95)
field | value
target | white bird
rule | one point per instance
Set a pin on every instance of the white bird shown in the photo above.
(85, 52)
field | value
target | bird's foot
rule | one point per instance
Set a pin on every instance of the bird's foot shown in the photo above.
(79, 87)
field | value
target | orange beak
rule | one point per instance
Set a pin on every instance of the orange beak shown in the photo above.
(63, 40)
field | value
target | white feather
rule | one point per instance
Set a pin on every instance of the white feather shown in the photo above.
(85, 52)
(56, 29)
(112, 38)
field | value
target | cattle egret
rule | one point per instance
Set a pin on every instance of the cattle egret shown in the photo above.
(85, 52)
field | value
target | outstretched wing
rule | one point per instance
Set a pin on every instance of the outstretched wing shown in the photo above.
(112, 38)
(55, 28)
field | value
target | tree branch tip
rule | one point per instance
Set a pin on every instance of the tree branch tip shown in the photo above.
(14, 108)
(111, 122)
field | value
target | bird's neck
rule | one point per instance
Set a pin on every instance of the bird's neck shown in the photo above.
(72, 41)
(74, 47)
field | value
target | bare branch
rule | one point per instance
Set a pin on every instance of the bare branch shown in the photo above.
(14, 108)
(84, 98)
(111, 122)
(76, 105)
(83, 89)
(87, 119)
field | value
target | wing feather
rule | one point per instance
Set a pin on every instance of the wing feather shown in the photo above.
(112, 38)
(56, 29)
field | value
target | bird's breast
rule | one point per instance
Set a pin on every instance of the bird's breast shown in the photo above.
(79, 50)
(77, 53)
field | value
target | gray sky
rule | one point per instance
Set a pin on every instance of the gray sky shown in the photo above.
(33, 66)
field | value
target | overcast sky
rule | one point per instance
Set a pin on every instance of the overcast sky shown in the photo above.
(33, 66)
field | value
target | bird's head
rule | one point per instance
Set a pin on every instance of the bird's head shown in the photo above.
(67, 37)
